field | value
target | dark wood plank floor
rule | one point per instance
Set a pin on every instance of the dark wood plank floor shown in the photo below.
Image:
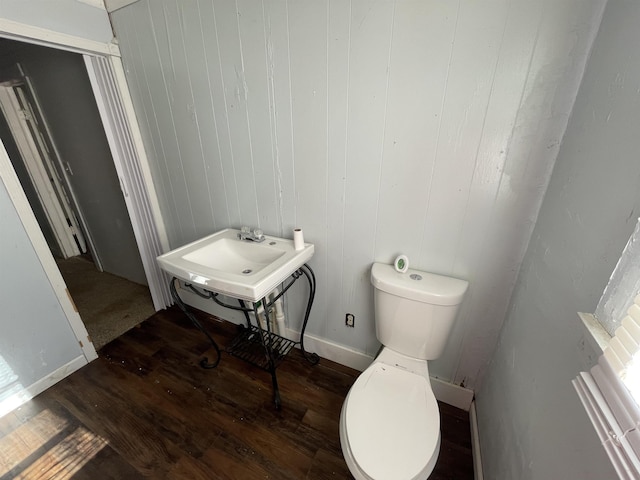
(145, 409)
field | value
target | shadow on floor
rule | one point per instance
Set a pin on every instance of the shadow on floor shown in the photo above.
(108, 305)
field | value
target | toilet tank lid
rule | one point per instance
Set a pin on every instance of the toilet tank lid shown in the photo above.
(420, 286)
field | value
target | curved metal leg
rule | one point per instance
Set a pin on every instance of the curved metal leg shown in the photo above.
(274, 348)
(312, 358)
(276, 392)
(204, 363)
(267, 343)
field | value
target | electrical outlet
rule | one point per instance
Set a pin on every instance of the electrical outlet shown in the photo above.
(350, 320)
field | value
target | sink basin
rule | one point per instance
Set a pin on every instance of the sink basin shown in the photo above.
(241, 269)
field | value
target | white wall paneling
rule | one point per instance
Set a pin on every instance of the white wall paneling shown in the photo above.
(423, 127)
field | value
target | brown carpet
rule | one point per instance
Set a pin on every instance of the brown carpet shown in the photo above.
(108, 305)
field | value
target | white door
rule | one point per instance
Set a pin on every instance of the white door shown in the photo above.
(25, 124)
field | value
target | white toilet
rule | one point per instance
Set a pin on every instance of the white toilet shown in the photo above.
(390, 424)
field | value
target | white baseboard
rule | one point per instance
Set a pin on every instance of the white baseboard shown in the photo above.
(475, 443)
(333, 351)
(24, 394)
(445, 392)
(451, 394)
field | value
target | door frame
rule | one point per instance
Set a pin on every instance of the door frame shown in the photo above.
(130, 160)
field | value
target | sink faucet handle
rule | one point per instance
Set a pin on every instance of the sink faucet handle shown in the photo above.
(258, 234)
(245, 229)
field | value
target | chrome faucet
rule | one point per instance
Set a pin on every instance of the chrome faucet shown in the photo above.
(253, 236)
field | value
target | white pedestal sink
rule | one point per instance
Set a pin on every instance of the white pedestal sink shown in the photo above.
(242, 269)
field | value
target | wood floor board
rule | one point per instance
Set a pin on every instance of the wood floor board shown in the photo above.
(134, 437)
(326, 426)
(277, 465)
(107, 464)
(192, 469)
(146, 409)
(327, 466)
(169, 406)
(238, 391)
(232, 460)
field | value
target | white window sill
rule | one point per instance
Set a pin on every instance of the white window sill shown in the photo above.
(598, 336)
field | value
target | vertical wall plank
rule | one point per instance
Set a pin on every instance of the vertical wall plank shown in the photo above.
(308, 62)
(473, 260)
(371, 36)
(216, 102)
(167, 43)
(338, 44)
(184, 113)
(235, 91)
(258, 110)
(420, 58)
(149, 130)
(156, 73)
(279, 84)
(195, 54)
(471, 75)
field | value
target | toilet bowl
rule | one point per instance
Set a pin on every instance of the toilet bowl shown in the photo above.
(390, 422)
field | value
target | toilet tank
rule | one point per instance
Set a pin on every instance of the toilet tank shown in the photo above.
(414, 311)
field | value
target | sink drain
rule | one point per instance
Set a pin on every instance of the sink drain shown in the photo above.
(247, 271)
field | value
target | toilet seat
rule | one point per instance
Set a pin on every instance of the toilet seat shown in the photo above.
(392, 424)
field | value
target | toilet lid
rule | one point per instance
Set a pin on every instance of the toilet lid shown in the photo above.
(393, 422)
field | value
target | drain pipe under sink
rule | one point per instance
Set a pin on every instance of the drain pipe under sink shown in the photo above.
(280, 320)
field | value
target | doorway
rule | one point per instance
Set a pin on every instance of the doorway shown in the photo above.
(104, 274)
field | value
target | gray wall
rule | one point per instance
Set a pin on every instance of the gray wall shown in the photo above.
(36, 337)
(424, 127)
(62, 86)
(531, 422)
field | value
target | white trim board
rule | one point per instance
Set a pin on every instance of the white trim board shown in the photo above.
(94, 3)
(475, 443)
(333, 351)
(113, 5)
(596, 333)
(23, 396)
(444, 391)
(451, 394)
(49, 38)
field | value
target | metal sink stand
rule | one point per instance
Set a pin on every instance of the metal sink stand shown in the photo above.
(254, 344)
